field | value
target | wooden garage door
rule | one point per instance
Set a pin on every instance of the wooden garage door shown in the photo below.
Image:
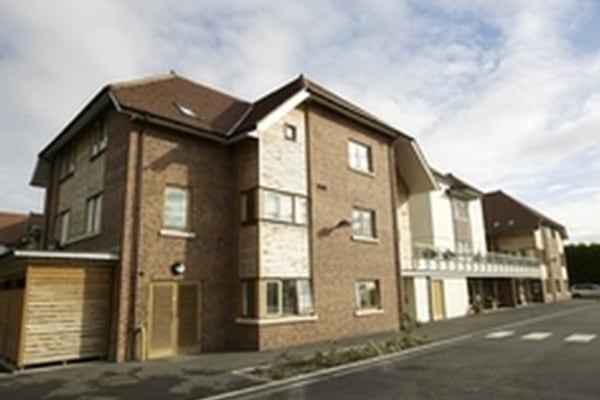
(67, 313)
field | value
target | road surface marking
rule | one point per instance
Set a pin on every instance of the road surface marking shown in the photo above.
(499, 334)
(580, 338)
(537, 336)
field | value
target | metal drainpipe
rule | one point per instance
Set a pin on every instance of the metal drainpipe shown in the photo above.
(396, 236)
(138, 331)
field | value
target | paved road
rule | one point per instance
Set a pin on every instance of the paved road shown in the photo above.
(478, 367)
(542, 358)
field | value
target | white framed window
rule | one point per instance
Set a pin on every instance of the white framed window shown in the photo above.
(290, 132)
(94, 213)
(99, 137)
(62, 226)
(359, 157)
(305, 297)
(273, 289)
(278, 206)
(249, 297)
(67, 161)
(248, 206)
(367, 295)
(300, 210)
(176, 208)
(461, 209)
(363, 223)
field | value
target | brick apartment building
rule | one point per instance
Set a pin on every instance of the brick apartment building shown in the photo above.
(237, 225)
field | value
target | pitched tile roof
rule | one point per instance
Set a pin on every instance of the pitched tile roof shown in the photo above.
(504, 214)
(457, 183)
(215, 111)
(165, 96)
(14, 227)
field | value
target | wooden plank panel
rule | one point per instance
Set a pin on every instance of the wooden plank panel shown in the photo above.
(12, 328)
(187, 299)
(162, 319)
(68, 313)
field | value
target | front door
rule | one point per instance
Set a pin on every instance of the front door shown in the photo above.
(173, 318)
(437, 299)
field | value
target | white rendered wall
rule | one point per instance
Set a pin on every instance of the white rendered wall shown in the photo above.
(456, 297)
(443, 223)
(422, 299)
(477, 227)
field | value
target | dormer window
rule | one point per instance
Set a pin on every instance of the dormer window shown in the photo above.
(188, 112)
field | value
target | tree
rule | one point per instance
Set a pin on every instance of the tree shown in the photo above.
(583, 262)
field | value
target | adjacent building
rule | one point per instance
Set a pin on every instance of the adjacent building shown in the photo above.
(20, 230)
(451, 272)
(515, 228)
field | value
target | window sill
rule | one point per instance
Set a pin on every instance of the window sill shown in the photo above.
(365, 239)
(277, 320)
(66, 176)
(97, 154)
(367, 312)
(370, 174)
(177, 234)
(81, 238)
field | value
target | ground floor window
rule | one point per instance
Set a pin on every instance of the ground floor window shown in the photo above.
(367, 294)
(277, 297)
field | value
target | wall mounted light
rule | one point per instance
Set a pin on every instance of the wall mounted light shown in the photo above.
(178, 268)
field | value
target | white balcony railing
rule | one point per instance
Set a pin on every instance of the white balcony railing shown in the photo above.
(427, 259)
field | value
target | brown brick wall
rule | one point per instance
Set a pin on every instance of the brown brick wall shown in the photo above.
(104, 173)
(337, 260)
(207, 170)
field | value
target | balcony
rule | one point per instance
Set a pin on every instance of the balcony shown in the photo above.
(427, 259)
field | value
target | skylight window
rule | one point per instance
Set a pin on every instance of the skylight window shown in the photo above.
(188, 112)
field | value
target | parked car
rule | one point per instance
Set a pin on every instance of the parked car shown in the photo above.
(585, 290)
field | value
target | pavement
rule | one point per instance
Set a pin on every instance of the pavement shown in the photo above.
(210, 374)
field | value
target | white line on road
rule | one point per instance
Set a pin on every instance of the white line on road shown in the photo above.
(499, 334)
(580, 338)
(537, 336)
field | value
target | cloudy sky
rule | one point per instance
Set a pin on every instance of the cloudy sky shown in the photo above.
(505, 93)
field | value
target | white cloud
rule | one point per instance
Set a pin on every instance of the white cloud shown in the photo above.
(493, 90)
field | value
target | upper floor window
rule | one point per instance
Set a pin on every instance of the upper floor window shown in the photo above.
(359, 157)
(363, 223)
(99, 137)
(290, 133)
(461, 209)
(94, 213)
(248, 206)
(367, 295)
(285, 207)
(62, 226)
(278, 206)
(176, 208)
(67, 161)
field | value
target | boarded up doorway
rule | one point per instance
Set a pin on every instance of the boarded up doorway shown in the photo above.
(174, 315)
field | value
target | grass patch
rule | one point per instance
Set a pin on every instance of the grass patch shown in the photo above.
(287, 365)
